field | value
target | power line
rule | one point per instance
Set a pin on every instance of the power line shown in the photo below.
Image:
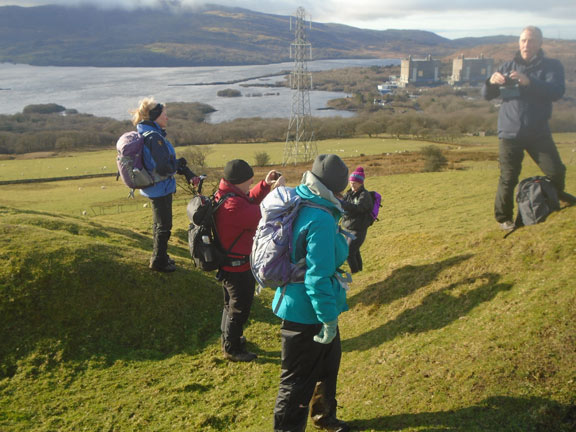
(300, 143)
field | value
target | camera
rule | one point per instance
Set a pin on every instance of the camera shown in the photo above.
(510, 89)
(510, 82)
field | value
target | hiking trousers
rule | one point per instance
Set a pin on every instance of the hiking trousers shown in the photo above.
(309, 376)
(511, 154)
(354, 258)
(161, 228)
(238, 290)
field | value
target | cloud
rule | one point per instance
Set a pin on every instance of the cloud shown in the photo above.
(450, 18)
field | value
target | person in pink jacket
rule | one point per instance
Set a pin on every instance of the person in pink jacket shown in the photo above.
(236, 222)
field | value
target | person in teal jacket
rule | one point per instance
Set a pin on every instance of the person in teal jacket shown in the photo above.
(309, 310)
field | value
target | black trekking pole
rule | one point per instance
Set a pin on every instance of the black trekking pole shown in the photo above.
(200, 183)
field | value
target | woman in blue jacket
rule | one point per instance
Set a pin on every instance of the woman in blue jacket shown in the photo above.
(309, 310)
(160, 161)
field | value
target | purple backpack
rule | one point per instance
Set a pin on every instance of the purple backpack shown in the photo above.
(377, 199)
(270, 257)
(130, 160)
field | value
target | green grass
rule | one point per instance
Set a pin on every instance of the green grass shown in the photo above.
(104, 161)
(67, 164)
(451, 327)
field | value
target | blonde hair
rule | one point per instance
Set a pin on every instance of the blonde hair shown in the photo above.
(143, 111)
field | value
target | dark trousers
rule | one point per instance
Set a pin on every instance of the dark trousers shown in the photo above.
(354, 257)
(161, 228)
(511, 154)
(309, 376)
(238, 289)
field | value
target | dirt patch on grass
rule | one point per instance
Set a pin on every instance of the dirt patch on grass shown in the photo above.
(386, 164)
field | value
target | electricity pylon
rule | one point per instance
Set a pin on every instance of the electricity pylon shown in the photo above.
(300, 144)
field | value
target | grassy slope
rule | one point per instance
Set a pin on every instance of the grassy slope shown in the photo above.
(450, 326)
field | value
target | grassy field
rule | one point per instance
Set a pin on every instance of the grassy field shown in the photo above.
(103, 161)
(451, 327)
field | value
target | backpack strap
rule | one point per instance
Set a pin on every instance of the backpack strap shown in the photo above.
(232, 263)
(343, 277)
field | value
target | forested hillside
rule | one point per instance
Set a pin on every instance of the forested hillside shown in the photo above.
(209, 35)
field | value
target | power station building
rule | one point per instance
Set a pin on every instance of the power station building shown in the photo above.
(420, 71)
(471, 70)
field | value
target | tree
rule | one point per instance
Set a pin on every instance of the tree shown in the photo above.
(371, 127)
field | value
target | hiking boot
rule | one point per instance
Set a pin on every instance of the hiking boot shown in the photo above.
(165, 268)
(507, 225)
(242, 356)
(567, 199)
(331, 424)
(242, 343)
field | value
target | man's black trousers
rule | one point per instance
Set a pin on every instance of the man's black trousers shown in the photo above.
(511, 154)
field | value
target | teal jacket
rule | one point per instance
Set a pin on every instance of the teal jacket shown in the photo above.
(320, 298)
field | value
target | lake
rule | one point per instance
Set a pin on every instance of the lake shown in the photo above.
(113, 92)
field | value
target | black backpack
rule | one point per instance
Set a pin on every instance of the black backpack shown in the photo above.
(205, 247)
(536, 198)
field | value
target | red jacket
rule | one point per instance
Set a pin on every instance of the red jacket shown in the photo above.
(238, 218)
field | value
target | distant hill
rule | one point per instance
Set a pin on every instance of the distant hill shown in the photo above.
(207, 36)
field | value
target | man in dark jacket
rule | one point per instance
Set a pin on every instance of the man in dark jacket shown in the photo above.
(527, 85)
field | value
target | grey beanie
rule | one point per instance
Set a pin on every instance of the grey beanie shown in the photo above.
(331, 171)
(237, 171)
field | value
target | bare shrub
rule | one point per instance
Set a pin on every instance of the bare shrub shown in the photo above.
(434, 160)
(261, 159)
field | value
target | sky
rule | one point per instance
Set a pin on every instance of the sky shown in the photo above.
(449, 18)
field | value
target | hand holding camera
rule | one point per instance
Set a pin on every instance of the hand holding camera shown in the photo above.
(510, 87)
(509, 81)
(275, 179)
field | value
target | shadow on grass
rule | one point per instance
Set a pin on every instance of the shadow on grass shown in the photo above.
(94, 300)
(403, 282)
(494, 414)
(437, 310)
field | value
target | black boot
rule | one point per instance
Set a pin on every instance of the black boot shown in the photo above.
(331, 424)
(566, 198)
(167, 267)
(242, 356)
(323, 410)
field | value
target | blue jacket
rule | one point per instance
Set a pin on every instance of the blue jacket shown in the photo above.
(320, 298)
(528, 114)
(159, 160)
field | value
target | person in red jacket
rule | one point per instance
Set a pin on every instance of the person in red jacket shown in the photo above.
(236, 222)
